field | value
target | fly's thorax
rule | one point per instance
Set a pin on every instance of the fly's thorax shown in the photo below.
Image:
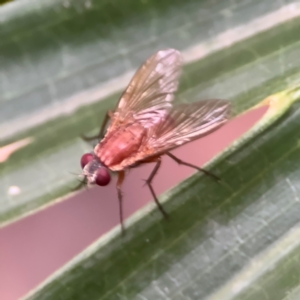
(120, 144)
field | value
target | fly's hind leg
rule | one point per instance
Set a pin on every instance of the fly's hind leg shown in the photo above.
(100, 135)
(181, 162)
(149, 183)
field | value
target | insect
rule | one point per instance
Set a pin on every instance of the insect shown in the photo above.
(146, 125)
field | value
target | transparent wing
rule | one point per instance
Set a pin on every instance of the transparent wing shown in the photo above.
(152, 88)
(186, 122)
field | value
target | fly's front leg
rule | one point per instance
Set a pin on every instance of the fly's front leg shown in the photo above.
(80, 185)
(121, 177)
(100, 135)
(149, 183)
(181, 162)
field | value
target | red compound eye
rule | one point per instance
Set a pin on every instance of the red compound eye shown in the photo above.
(85, 159)
(102, 176)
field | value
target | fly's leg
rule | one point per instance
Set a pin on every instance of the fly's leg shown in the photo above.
(149, 183)
(121, 176)
(101, 132)
(80, 185)
(181, 162)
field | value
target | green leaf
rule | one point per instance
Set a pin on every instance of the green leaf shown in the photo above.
(60, 58)
(221, 246)
(240, 241)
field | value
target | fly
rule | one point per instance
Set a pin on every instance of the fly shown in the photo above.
(146, 125)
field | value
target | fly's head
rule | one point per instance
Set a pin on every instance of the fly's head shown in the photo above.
(94, 170)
